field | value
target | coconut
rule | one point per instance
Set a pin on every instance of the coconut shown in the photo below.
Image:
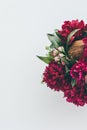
(76, 49)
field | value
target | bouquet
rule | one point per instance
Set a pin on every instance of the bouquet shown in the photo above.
(67, 62)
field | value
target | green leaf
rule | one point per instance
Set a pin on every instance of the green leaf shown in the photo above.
(71, 34)
(67, 69)
(57, 33)
(85, 33)
(86, 86)
(67, 75)
(73, 82)
(47, 48)
(54, 40)
(58, 36)
(45, 59)
(66, 61)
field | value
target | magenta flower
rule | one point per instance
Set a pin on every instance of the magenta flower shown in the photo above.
(54, 76)
(78, 72)
(76, 95)
(69, 26)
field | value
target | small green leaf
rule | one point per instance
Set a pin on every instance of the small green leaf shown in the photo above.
(45, 59)
(47, 48)
(85, 33)
(67, 69)
(58, 36)
(71, 34)
(86, 86)
(64, 59)
(73, 82)
(57, 33)
(54, 40)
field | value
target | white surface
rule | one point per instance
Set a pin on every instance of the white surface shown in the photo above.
(26, 104)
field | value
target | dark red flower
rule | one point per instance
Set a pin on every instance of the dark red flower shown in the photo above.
(78, 72)
(69, 26)
(76, 95)
(54, 76)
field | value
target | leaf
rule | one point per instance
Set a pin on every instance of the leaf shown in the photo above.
(86, 86)
(58, 36)
(57, 33)
(85, 33)
(71, 34)
(45, 59)
(73, 82)
(47, 48)
(54, 40)
(64, 59)
(67, 69)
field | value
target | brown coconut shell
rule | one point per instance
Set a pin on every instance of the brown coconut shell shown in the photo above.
(76, 49)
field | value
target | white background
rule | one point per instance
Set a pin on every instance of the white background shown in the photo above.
(25, 103)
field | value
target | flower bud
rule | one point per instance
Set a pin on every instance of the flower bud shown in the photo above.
(47, 47)
(61, 48)
(61, 55)
(54, 53)
(56, 58)
(63, 63)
